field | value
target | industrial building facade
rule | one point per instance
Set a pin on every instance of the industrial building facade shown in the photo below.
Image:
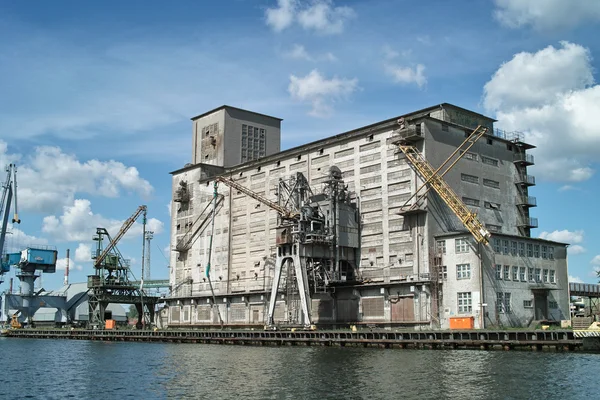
(417, 269)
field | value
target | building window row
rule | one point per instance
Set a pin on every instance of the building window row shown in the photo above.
(517, 274)
(461, 246)
(491, 183)
(489, 161)
(501, 246)
(470, 202)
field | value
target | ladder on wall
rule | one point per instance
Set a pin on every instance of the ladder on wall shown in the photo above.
(439, 185)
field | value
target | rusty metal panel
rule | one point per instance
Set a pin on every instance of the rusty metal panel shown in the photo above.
(403, 309)
(347, 310)
(372, 307)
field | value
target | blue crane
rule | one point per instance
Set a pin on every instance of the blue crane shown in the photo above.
(9, 189)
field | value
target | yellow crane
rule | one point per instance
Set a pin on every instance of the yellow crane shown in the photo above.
(435, 180)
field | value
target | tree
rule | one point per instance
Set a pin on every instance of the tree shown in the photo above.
(132, 313)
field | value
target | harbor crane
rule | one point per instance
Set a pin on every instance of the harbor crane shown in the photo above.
(113, 280)
(435, 180)
(9, 189)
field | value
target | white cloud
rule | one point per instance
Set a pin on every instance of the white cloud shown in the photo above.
(575, 279)
(576, 249)
(50, 178)
(407, 75)
(596, 261)
(83, 253)
(79, 223)
(324, 18)
(564, 236)
(61, 264)
(550, 95)
(281, 17)
(320, 91)
(546, 14)
(320, 16)
(299, 52)
(538, 79)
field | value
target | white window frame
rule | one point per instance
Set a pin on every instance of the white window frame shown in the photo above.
(515, 273)
(499, 272)
(506, 273)
(552, 276)
(464, 302)
(523, 274)
(461, 246)
(463, 271)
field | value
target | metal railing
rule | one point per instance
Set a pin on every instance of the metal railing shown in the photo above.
(526, 200)
(523, 157)
(525, 179)
(530, 222)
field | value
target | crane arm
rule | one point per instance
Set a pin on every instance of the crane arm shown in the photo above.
(437, 183)
(285, 213)
(126, 225)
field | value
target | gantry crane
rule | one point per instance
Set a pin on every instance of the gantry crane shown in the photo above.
(9, 189)
(113, 280)
(435, 181)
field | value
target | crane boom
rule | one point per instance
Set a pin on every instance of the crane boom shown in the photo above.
(126, 225)
(9, 189)
(437, 183)
(285, 213)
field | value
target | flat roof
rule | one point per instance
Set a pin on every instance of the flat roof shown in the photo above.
(224, 106)
(334, 138)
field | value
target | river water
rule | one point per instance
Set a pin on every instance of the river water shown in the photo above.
(58, 369)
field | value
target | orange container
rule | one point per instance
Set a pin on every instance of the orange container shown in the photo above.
(110, 324)
(462, 322)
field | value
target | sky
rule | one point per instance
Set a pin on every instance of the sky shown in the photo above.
(96, 98)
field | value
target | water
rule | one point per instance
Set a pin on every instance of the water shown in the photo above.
(58, 369)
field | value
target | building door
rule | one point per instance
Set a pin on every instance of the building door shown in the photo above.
(255, 317)
(403, 310)
(541, 306)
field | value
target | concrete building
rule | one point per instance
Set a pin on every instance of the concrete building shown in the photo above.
(404, 278)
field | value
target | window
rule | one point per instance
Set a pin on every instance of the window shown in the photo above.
(546, 276)
(507, 303)
(530, 274)
(440, 246)
(469, 156)
(464, 303)
(507, 272)
(522, 271)
(552, 276)
(491, 183)
(489, 161)
(470, 202)
(527, 304)
(496, 243)
(498, 271)
(544, 251)
(445, 127)
(491, 206)
(503, 302)
(529, 250)
(490, 141)
(445, 272)
(463, 271)
(538, 275)
(536, 250)
(508, 147)
(513, 248)
(553, 304)
(469, 178)
(515, 276)
(522, 249)
(551, 252)
(461, 246)
(505, 247)
(493, 228)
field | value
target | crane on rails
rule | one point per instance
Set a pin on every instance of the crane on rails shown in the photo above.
(435, 180)
(113, 281)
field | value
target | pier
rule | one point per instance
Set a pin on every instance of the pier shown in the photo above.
(556, 340)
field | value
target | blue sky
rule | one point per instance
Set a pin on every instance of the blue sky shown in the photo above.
(96, 97)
